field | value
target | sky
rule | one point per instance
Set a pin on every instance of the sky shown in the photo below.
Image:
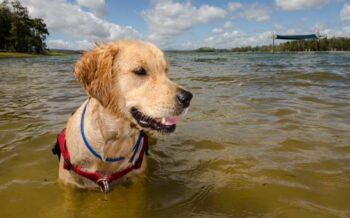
(187, 24)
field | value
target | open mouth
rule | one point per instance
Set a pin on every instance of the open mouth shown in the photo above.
(163, 125)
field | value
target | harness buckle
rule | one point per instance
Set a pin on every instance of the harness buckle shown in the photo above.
(104, 184)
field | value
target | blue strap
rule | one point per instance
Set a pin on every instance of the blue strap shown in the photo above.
(109, 159)
(136, 147)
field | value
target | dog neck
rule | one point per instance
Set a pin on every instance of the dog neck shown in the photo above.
(109, 133)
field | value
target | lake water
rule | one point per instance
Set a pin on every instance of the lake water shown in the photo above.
(267, 135)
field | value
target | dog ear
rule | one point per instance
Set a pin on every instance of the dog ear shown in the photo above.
(94, 72)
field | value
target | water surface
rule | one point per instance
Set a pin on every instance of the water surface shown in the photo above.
(267, 135)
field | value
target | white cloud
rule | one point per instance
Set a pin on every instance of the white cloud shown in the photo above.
(61, 44)
(98, 7)
(168, 19)
(255, 12)
(345, 12)
(236, 38)
(293, 31)
(233, 6)
(63, 16)
(278, 27)
(330, 31)
(228, 25)
(217, 30)
(290, 5)
(252, 12)
(187, 45)
(58, 43)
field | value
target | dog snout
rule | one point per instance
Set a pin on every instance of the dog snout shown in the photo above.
(183, 97)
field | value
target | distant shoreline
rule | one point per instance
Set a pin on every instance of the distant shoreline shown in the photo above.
(320, 45)
(13, 54)
(276, 52)
(23, 54)
(54, 53)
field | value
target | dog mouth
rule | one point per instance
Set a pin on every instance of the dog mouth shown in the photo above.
(163, 124)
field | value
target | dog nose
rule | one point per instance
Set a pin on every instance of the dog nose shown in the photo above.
(184, 97)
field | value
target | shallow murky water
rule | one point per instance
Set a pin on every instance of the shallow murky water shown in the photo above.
(267, 135)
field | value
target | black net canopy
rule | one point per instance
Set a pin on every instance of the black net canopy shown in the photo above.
(296, 37)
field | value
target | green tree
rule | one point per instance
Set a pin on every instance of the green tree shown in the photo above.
(5, 25)
(20, 28)
(18, 31)
(39, 33)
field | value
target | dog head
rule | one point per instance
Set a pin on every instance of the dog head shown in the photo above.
(130, 79)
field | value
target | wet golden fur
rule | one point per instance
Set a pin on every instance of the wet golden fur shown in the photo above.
(106, 73)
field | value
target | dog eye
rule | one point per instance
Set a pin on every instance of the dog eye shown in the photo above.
(140, 71)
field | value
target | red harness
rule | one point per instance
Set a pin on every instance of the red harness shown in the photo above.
(101, 180)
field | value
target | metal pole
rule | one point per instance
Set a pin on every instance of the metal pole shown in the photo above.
(273, 42)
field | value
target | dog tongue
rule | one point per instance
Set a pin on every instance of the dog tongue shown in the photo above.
(170, 120)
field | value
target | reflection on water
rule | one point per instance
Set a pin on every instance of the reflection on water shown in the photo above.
(267, 135)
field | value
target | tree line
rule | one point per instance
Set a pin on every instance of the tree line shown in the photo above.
(331, 44)
(18, 31)
(324, 44)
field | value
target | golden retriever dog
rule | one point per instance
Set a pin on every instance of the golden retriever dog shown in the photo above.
(129, 94)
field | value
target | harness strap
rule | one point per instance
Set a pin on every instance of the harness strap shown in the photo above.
(102, 181)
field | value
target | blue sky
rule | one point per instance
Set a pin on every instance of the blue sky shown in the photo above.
(184, 24)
